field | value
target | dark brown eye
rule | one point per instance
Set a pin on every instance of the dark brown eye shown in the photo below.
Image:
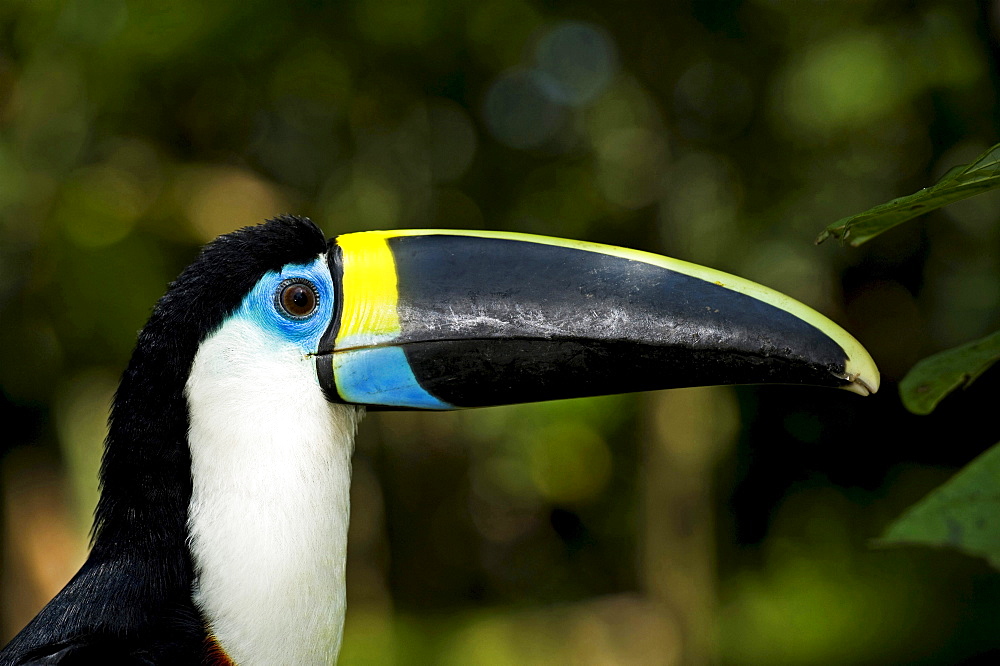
(297, 298)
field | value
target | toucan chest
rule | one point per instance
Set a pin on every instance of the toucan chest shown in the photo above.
(269, 511)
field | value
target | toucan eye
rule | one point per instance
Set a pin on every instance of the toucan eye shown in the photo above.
(296, 298)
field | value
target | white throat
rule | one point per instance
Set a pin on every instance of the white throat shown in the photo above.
(270, 464)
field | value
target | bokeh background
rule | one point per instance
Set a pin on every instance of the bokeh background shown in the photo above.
(722, 525)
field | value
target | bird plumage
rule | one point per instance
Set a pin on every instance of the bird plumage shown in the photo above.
(132, 599)
(271, 463)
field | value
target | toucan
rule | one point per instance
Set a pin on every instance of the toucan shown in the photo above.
(221, 531)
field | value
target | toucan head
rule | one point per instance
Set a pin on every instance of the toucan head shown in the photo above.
(445, 319)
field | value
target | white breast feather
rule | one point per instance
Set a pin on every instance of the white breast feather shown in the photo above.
(270, 504)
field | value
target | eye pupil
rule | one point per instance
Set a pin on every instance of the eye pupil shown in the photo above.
(300, 297)
(297, 298)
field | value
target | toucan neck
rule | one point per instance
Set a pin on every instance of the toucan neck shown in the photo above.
(270, 463)
(139, 552)
(146, 469)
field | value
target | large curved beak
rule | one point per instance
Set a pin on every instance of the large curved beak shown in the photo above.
(443, 319)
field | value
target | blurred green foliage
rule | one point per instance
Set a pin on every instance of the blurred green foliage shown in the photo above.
(718, 132)
(960, 182)
(963, 513)
(936, 376)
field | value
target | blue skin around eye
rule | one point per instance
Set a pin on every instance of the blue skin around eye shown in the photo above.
(374, 376)
(259, 306)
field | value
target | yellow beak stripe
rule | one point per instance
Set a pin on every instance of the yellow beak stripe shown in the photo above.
(370, 295)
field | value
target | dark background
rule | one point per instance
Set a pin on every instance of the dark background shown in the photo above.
(725, 526)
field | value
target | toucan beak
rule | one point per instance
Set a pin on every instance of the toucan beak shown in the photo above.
(443, 319)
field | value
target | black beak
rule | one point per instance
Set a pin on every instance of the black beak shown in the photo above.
(449, 319)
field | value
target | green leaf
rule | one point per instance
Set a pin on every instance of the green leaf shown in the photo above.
(959, 183)
(930, 380)
(964, 513)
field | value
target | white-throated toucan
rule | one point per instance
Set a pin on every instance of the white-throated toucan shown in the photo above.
(220, 535)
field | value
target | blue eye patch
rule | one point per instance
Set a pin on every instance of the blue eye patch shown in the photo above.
(263, 304)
